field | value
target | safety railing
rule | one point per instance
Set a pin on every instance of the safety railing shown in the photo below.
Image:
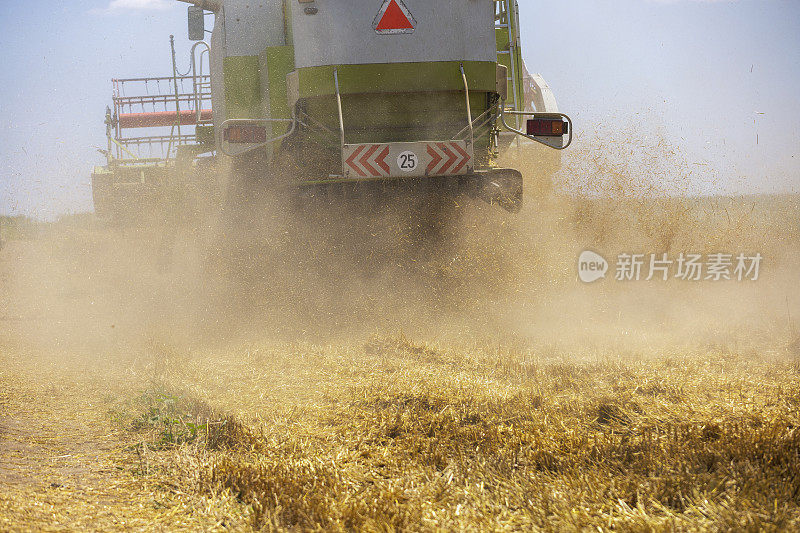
(156, 103)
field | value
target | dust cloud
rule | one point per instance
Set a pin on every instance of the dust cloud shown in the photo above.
(339, 266)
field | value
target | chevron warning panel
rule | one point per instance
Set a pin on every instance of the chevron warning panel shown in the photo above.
(405, 160)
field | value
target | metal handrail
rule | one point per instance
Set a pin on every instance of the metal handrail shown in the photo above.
(123, 101)
(469, 107)
(123, 148)
(155, 139)
(152, 78)
(314, 123)
(339, 104)
(198, 100)
(489, 116)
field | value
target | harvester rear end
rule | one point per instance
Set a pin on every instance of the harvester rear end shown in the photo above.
(323, 98)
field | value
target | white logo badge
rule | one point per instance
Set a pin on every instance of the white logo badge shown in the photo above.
(591, 266)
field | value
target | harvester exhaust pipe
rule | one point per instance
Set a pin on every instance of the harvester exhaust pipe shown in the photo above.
(208, 5)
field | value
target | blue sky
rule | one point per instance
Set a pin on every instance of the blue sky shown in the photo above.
(708, 75)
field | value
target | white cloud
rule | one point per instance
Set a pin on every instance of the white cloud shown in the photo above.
(117, 6)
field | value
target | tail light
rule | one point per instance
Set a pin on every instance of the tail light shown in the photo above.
(545, 127)
(245, 133)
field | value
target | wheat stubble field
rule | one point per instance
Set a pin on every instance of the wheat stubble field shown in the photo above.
(483, 388)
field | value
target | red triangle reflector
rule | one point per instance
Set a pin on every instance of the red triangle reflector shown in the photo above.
(394, 17)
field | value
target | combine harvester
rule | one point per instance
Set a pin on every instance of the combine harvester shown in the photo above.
(332, 98)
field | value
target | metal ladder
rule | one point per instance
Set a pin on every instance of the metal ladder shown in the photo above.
(507, 29)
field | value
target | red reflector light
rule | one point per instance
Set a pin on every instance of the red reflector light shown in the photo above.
(241, 133)
(545, 127)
